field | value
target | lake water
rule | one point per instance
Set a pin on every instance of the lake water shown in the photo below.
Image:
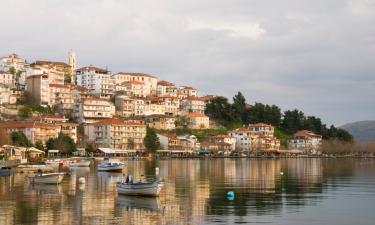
(267, 191)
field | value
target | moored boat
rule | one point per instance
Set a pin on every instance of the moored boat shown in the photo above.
(6, 171)
(140, 188)
(81, 163)
(47, 178)
(111, 166)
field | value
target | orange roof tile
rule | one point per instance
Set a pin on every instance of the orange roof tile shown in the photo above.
(195, 115)
(25, 124)
(90, 68)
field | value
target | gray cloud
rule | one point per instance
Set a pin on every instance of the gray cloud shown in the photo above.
(317, 56)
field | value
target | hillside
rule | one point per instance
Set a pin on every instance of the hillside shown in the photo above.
(363, 131)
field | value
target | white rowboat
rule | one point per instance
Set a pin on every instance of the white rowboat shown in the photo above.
(82, 163)
(47, 178)
(141, 188)
(111, 166)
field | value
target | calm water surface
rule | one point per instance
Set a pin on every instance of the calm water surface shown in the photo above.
(310, 191)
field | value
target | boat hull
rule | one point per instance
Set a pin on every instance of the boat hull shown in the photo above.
(51, 178)
(6, 171)
(111, 167)
(137, 189)
(80, 164)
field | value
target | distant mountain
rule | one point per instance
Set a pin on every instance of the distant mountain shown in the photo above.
(363, 131)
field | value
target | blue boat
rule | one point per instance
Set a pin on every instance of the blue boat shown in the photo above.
(6, 171)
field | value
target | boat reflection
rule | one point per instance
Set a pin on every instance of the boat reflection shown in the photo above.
(41, 189)
(136, 202)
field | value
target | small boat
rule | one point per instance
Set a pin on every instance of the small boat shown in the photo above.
(111, 166)
(82, 163)
(139, 188)
(6, 171)
(47, 178)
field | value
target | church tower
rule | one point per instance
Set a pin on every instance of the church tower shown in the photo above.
(73, 64)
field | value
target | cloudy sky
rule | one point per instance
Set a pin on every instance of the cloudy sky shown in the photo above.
(314, 55)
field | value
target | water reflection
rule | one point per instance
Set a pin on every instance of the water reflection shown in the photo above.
(266, 190)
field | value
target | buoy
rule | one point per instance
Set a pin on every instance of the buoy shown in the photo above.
(81, 180)
(230, 195)
(281, 173)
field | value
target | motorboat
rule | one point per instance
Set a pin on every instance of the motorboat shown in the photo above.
(139, 188)
(6, 171)
(111, 166)
(46, 178)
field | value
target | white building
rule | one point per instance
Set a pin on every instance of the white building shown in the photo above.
(18, 63)
(186, 91)
(166, 88)
(97, 80)
(192, 104)
(93, 109)
(243, 139)
(7, 79)
(262, 129)
(148, 80)
(306, 141)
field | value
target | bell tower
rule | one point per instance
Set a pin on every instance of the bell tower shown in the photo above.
(72, 61)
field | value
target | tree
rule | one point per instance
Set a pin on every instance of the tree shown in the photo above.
(63, 143)
(221, 110)
(151, 140)
(89, 148)
(25, 112)
(293, 120)
(260, 113)
(39, 145)
(12, 70)
(19, 139)
(239, 107)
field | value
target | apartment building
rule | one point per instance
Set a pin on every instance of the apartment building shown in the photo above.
(306, 141)
(37, 86)
(97, 80)
(93, 109)
(198, 121)
(117, 133)
(166, 88)
(192, 104)
(149, 81)
(262, 129)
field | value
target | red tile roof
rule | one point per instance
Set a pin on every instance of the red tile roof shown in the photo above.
(165, 83)
(195, 115)
(25, 124)
(187, 88)
(241, 129)
(306, 133)
(90, 68)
